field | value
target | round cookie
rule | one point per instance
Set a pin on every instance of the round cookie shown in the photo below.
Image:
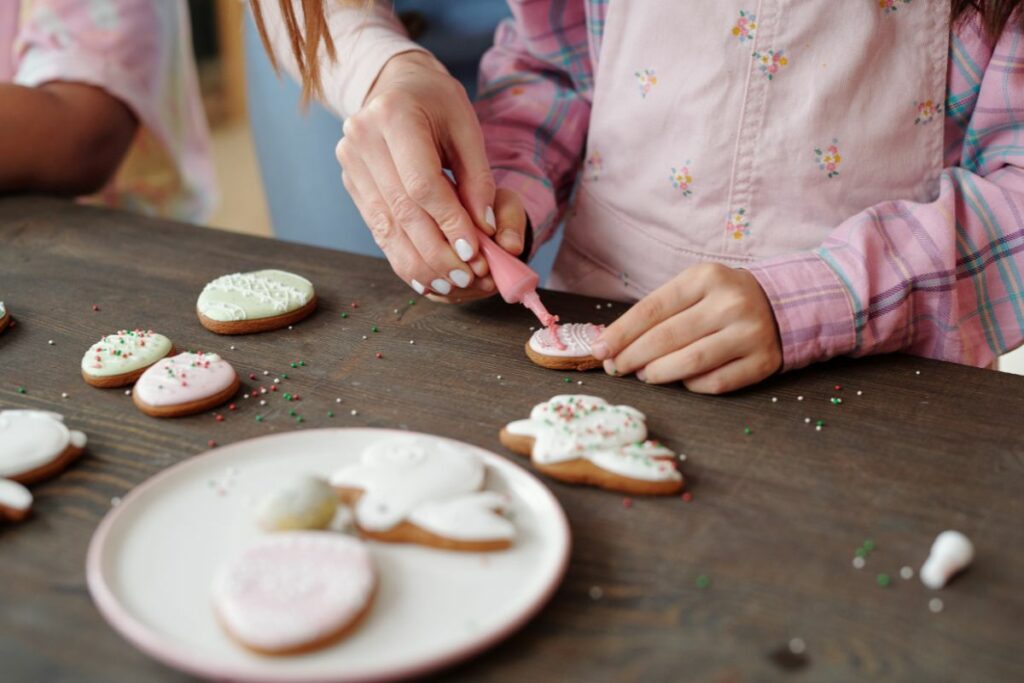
(119, 359)
(34, 445)
(263, 300)
(5, 317)
(306, 502)
(582, 439)
(185, 384)
(295, 591)
(570, 351)
(408, 490)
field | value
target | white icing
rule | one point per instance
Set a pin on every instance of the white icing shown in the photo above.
(259, 294)
(951, 552)
(3, 311)
(14, 496)
(576, 337)
(409, 478)
(575, 426)
(30, 439)
(306, 502)
(294, 588)
(124, 352)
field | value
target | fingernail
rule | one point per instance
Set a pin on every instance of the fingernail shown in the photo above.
(509, 240)
(487, 284)
(489, 218)
(641, 375)
(599, 350)
(459, 277)
(464, 249)
(609, 367)
(418, 287)
(441, 286)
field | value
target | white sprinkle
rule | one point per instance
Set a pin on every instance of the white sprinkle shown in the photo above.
(817, 428)
(263, 401)
(263, 390)
(858, 562)
(50, 342)
(232, 347)
(775, 399)
(245, 395)
(797, 646)
(799, 398)
(935, 605)
(595, 591)
(396, 311)
(266, 372)
(500, 377)
(354, 412)
(364, 336)
(115, 501)
(277, 380)
(580, 382)
(411, 341)
(682, 458)
(807, 420)
(290, 327)
(598, 307)
(860, 393)
(127, 392)
(917, 372)
(608, 305)
(532, 328)
(63, 394)
(907, 572)
(337, 400)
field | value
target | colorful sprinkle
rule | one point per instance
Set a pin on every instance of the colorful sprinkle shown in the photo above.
(21, 390)
(703, 581)
(627, 502)
(883, 580)
(344, 314)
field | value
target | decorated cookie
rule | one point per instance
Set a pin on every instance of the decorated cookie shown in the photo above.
(584, 440)
(118, 359)
(34, 445)
(564, 347)
(263, 300)
(185, 384)
(410, 490)
(295, 591)
(5, 317)
(306, 502)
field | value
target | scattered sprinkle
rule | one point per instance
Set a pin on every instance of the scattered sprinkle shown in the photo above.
(330, 413)
(868, 545)
(835, 400)
(232, 347)
(799, 398)
(50, 342)
(263, 401)
(935, 605)
(259, 418)
(703, 581)
(838, 387)
(567, 380)
(747, 431)
(365, 337)
(378, 355)
(290, 327)
(21, 390)
(218, 417)
(344, 314)
(375, 328)
(127, 392)
(807, 420)
(906, 572)
(598, 307)
(287, 396)
(500, 377)
(396, 311)
(411, 341)
(295, 365)
(211, 443)
(860, 393)
(354, 412)
(337, 400)
(95, 307)
(579, 382)
(627, 502)
(115, 501)
(775, 399)
(298, 418)
(797, 646)
(277, 380)
(883, 580)
(687, 497)
(917, 372)
(596, 593)
(63, 394)
(232, 406)
(266, 372)
(859, 562)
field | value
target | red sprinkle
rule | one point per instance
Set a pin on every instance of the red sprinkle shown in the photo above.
(627, 502)
(355, 305)
(211, 443)
(232, 406)
(252, 375)
(839, 387)
(379, 354)
(687, 497)
(219, 418)
(296, 397)
(95, 307)
(273, 387)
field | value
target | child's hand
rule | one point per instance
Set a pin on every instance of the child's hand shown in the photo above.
(710, 327)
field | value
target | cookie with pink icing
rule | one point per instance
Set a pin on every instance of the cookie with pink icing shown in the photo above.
(584, 440)
(413, 490)
(565, 347)
(295, 591)
(34, 445)
(185, 384)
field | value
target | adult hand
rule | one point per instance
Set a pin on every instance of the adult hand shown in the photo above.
(711, 327)
(417, 121)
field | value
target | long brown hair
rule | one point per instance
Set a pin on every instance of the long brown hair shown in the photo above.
(993, 14)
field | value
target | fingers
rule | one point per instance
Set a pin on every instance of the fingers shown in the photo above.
(699, 358)
(511, 221)
(677, 332)
(468, 160)
(731, 376)
(481, 289)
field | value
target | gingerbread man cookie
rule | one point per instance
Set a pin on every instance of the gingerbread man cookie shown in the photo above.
(185, 384)
(34, 445)
(119, 359)
(582, 439)
(411, 490)
(5, 317)
(295, 591)
(564, 347)
(243, 303)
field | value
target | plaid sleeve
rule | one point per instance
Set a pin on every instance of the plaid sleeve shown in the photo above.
(943, 279)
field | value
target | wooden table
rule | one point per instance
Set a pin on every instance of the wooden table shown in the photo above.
(775, 519)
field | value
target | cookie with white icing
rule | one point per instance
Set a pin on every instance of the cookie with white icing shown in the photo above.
(5, 317)
(243, 303)
(295, 591)
(34, 445)
(569, 350)
(582, 439)
(119, 359)
(185, 384)
(306, 502)
(412, 490)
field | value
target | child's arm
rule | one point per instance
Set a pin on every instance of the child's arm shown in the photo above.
(62, 138)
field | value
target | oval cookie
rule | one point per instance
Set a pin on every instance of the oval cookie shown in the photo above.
(572, 349)
(295, 591)
(243, 303)
(306, 502)
(582, 439)
(119, 359)
(185, 384)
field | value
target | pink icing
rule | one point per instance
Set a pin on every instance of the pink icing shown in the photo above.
(573, 340)
(184, 378)
(294, 588)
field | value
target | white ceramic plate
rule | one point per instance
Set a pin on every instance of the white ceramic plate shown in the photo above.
(153, 558)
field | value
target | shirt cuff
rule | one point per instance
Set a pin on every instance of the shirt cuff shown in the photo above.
(813, 309)
(537, 200)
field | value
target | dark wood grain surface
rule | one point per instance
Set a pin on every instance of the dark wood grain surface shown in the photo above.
(775, 519)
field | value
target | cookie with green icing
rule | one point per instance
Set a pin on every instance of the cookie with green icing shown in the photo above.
(243, 303)
(119, 359)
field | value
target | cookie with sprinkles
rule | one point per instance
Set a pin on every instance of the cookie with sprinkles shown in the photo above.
(263, 300)
(185, 384)
(583, 439)
(5, 317)
(564, 347)
(119, 359)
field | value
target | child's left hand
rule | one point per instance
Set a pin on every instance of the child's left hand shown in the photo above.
(711, 327)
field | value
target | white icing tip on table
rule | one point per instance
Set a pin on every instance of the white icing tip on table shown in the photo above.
(951, 552)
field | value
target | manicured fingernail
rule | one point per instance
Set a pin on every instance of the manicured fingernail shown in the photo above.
(489, 218)
(609, 367)
(441, 286)
(599, 350)
(487, 284)
(641, 375)
(464, 249)
(510, 241)
(459, 277)
(418, 287)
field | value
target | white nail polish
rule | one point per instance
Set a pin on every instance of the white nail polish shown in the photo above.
(418, 287)
(489, 218)
(441, 286)
(463, 249)
(459, 277)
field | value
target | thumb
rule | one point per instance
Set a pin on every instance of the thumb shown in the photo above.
(511, 221)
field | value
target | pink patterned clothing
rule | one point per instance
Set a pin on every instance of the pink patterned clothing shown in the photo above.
(874, 186)
(139, 51)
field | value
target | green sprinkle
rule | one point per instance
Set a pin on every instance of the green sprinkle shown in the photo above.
(375, 329)
(344, 315)
(259, 418)
(883, 580)
(292, 413)
(287, 397)
(284, 376)
(860, 552)
(747, 431)
(21, 390)
(703, 581)
(836, 401)
(820, 423)
(412, 302)
(568, 380)
(295, 365)
(298, 419)
(869, 545)
(302, 363)
(330, 413)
